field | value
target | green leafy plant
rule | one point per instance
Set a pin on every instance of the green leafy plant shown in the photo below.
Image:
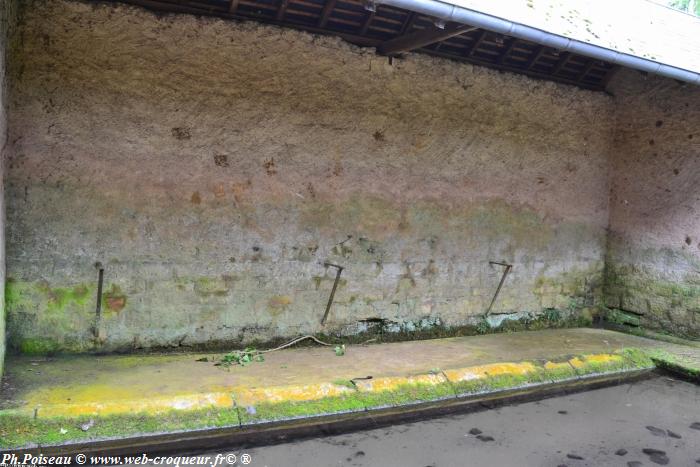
(241, 357)
(574, 304)
(483, 326)
(552, 314)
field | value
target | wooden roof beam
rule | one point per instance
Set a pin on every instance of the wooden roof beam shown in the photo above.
(421, 38)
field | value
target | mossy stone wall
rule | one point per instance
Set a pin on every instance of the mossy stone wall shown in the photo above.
(212, 168)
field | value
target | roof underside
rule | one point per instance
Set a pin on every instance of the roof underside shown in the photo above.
(634, 27)
(393, 31)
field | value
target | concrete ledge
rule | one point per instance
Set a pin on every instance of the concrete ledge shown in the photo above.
(685, 366)
(243, 411)
(284, 430)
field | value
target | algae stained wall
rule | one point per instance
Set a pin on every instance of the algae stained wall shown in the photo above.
(653, 273)
(212, 168)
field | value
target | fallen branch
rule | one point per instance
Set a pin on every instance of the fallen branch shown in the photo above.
(295, 341)
(250, 355)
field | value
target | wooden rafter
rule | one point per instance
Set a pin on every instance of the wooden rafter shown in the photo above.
(408, 23)
(537, 53)
(477, 42)
(282, 10)
(563, 58)
(421, 38)
(368, 21)
(326, 13)
(586, 68)
(509, 48)
(515, 69)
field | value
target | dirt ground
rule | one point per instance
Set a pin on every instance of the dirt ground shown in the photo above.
(592, 428)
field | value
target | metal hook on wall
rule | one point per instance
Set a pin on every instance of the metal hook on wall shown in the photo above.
(335, 286)
(500, 284)
(98, 305)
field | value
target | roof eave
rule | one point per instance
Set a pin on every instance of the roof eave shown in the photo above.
(450, 12)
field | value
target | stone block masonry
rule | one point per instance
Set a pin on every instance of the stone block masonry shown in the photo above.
(212, 167)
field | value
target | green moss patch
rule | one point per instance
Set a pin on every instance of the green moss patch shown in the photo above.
(628, 359)
(18, 431)
(637, 358)
(38, 346)
(664, 303)
(25, 296)
(490, 383)
(287, 410)
(559, 373)
(683, 366)
(42, 319)
(498, 382)
(594, 367)
(622, 317)
(406, 394)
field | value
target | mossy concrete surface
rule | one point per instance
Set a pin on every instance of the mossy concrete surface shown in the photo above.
(48, 401)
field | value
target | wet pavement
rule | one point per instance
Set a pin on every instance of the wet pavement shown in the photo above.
(648, 423)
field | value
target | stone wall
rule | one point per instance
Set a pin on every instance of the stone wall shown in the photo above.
(8, 11)
(653, 272)
(212, 167)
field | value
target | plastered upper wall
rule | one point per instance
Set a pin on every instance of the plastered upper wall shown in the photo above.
(654, 248)
(212, 167)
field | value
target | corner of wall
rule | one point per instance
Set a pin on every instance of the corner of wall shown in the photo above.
(653, 248)
(8, 17)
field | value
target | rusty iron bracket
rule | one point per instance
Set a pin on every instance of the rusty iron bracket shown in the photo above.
(335, 286)
(500, 284)
(98, 305)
